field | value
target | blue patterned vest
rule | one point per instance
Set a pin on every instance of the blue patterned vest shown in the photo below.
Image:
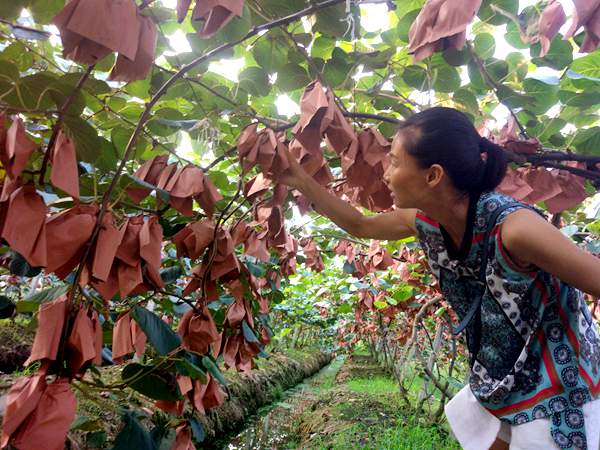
(539, 354)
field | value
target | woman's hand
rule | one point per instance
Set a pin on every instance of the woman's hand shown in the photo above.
(295, 176)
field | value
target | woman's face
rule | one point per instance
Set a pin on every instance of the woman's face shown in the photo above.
(405, 179)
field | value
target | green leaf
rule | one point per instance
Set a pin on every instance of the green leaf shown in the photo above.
(44, 10)
(379, 304)
(221, 181)
(579, 99)
(476, 78)
(10, 10)
(248, 332)
(61, 89)
(544, 95)
(330, 21)
(106, 63)
(415, 76)
(587, 141)
(133, 435)
(594, 227)
(344, 308)
(548, 128)
(497, 69)
(405, 23)
(210, 365)
(95, 439)
(588, 66)
(403, 293)
(8, 72)
(517, 66)
(291, 77)
(85, 423)
(139, 88)
(446, 79)
(456, 57)
(160, 335)
(487, 14)
(255, 81)
(513, 36)
(87, 142)
(282, 8)
(391, 300)
(485, 45)
(377, 59)
(18, 54)
(150, 382)
(337, 69)
(466, 100)
(559, 56)
(270, 51)
(32, 91)
(322, 47)
(511, 98)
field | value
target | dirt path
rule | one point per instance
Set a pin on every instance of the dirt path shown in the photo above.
(273, 426)
(350, 404)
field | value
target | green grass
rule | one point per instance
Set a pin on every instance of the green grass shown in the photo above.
(373, 386)
(400, 437)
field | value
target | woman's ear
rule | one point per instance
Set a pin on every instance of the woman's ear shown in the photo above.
(435, 174)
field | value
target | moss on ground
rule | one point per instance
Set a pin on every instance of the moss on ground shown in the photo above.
(260, 388)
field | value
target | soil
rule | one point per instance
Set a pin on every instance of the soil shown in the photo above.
(15, 345)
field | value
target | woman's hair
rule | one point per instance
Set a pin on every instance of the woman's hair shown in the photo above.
(446, 136)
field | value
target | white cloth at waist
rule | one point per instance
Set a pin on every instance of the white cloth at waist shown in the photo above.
(475, 428)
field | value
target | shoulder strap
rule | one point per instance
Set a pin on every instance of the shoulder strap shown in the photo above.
(474, 311)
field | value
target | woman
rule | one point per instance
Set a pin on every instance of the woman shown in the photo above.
(535, 349)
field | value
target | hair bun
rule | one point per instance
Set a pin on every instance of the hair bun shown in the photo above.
(494, 166)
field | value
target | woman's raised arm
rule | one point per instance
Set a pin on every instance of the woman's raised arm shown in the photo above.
(529, 239)
(394, 225)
